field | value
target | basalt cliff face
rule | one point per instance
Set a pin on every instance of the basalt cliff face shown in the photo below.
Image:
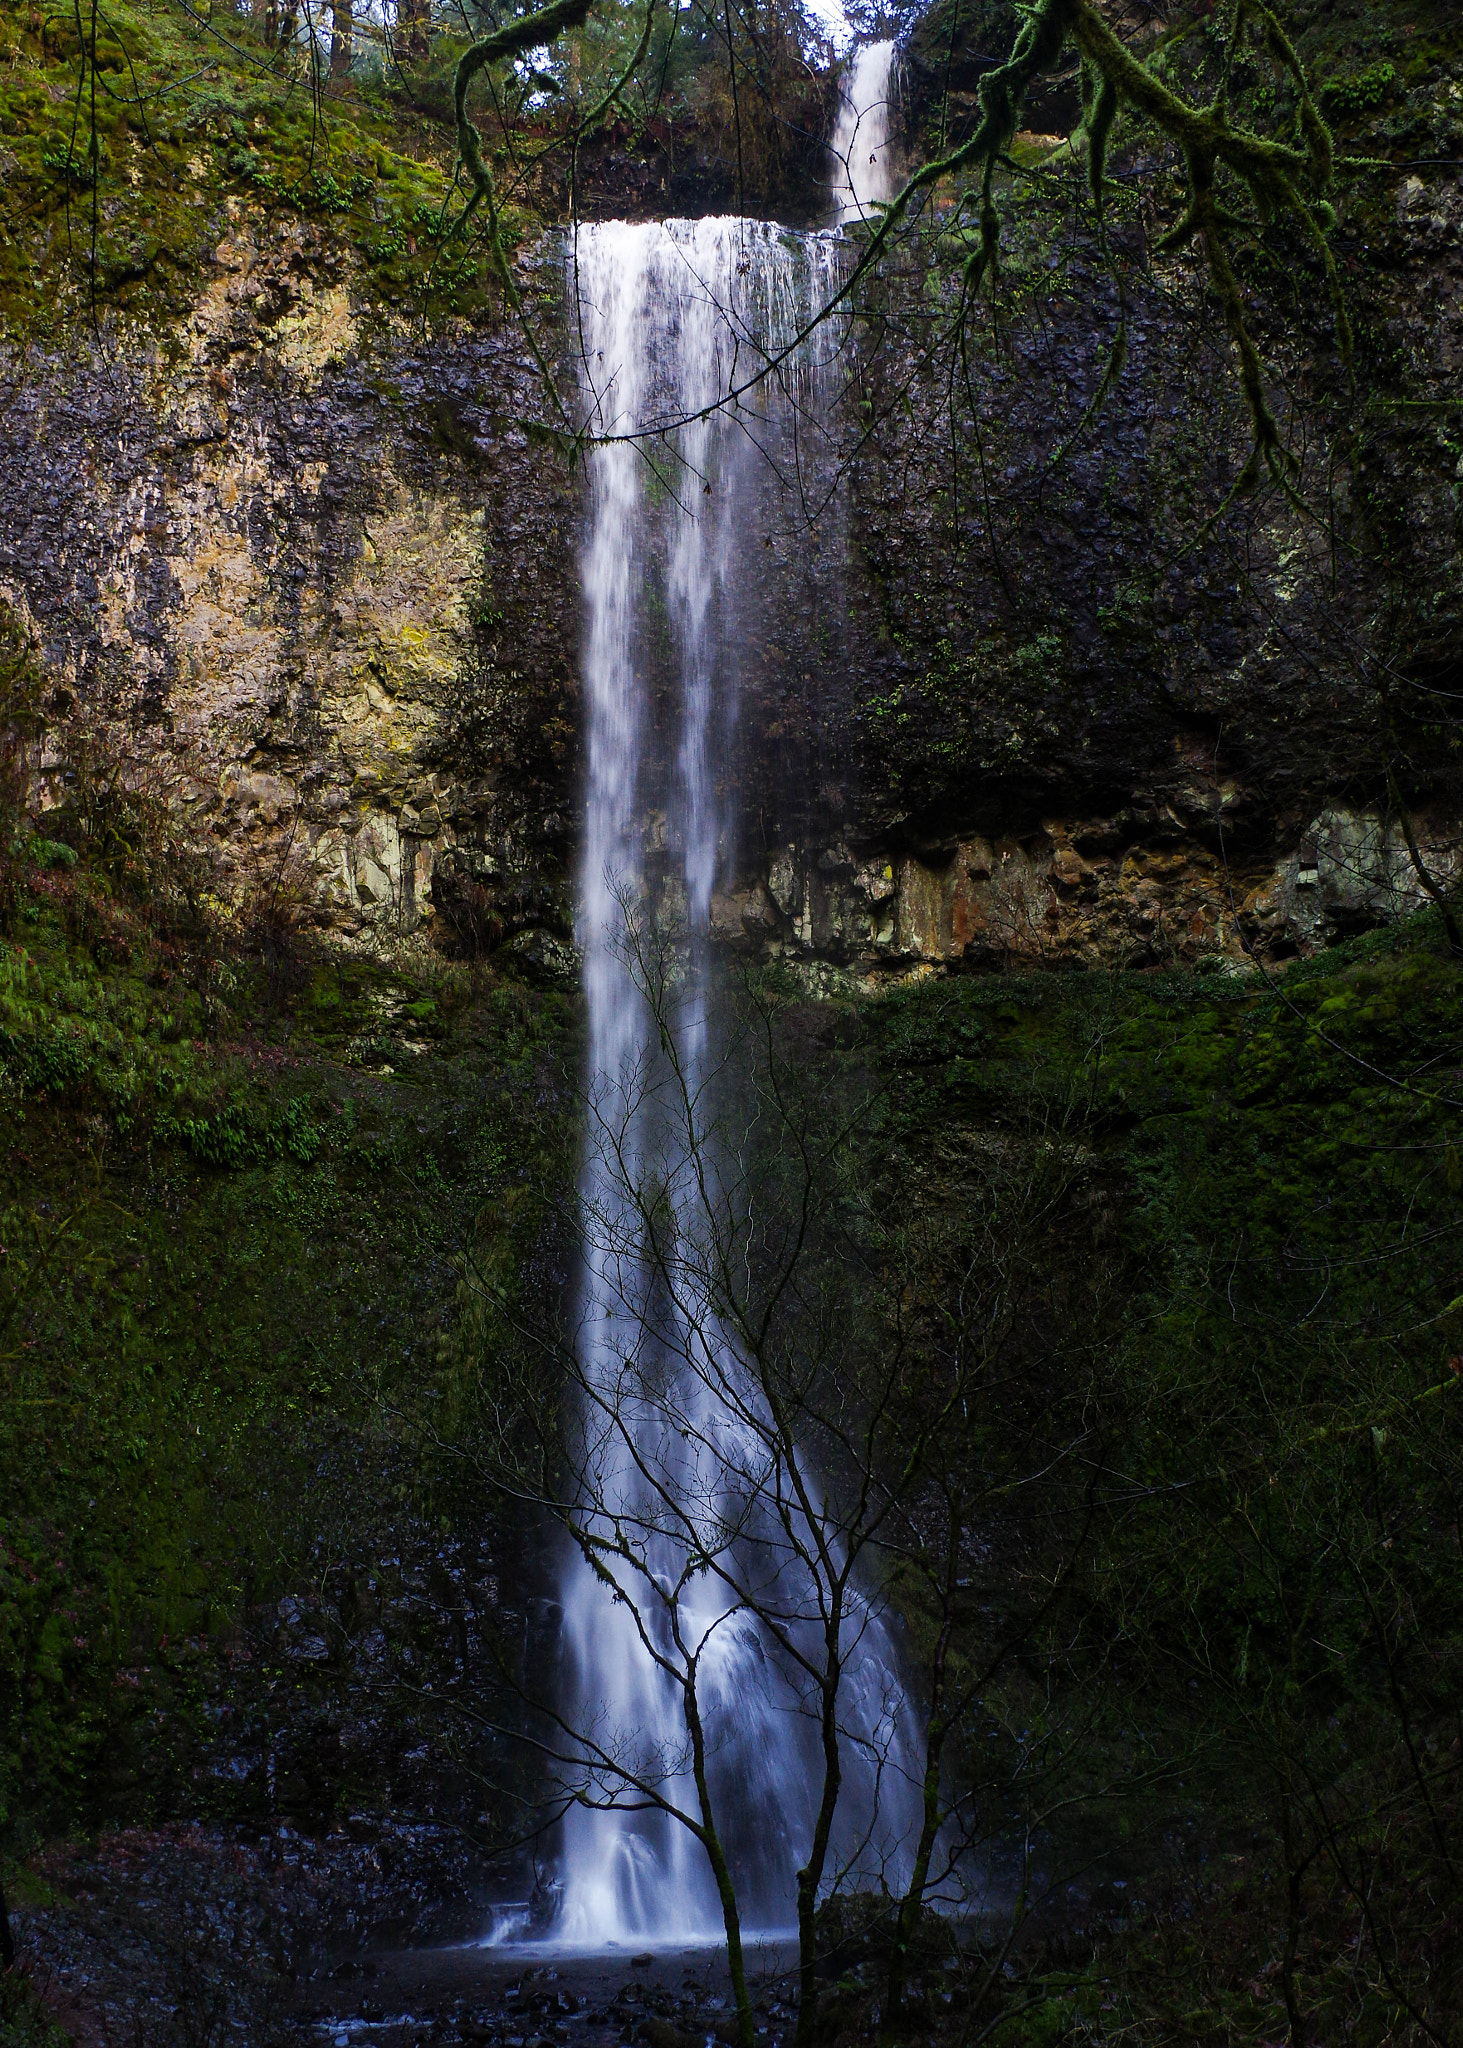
(260, 551)
(1016, 691)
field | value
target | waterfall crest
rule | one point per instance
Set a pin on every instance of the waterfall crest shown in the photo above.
(670, 316)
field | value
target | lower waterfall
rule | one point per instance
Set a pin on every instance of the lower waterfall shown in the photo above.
(670, 316)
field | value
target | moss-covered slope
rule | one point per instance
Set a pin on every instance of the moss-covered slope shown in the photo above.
(234, 1197)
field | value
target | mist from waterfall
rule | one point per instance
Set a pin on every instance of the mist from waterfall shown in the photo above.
(863, 167)
(671, 314)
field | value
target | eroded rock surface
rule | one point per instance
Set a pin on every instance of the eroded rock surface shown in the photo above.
(304, 569)
(307, 578)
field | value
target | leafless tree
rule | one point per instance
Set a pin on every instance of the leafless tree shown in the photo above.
(774, 1413)
(723, 1459)
(1010, 1485)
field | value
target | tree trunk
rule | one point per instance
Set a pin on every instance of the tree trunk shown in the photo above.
(1420, 867)
(1414, 851)
(411, 19)
(1293, 1872)
(7, 1943)
(811, 1875)
(266, 14)
(341, 36)
(912, 1904)
(720, 1870)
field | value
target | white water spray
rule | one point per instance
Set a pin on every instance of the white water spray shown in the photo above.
(671, 316)
(863, 167)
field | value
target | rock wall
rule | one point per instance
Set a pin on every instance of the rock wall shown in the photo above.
(1087, 704)
(307, 570)
(1074, 892)
(306, 576)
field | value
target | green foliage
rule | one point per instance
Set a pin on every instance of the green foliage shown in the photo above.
(1276, 1598)
(185, 118)
(24, 2022)
(1348, 97)
(77, 171)
(223, 1273)
(55, 1059)
(234, 1136)
(48, 853)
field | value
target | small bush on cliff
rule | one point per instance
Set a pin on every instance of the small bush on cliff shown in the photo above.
(1358, 95)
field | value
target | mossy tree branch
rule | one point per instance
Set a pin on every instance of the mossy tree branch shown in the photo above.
(1285, 179)
(1425, 875)
(527, 32)
(1276, 174)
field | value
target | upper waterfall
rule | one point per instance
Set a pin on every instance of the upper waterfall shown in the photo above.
(863, 171)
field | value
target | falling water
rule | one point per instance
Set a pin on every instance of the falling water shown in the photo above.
(863, 169)
(670, 316)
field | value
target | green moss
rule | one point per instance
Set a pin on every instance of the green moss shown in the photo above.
(204, 129)
(228, 1260)
(1266, 1182)
(1310, 1110)
(1359, 94)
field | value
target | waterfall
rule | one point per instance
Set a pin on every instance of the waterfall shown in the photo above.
(863, 170)
(669, 316)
